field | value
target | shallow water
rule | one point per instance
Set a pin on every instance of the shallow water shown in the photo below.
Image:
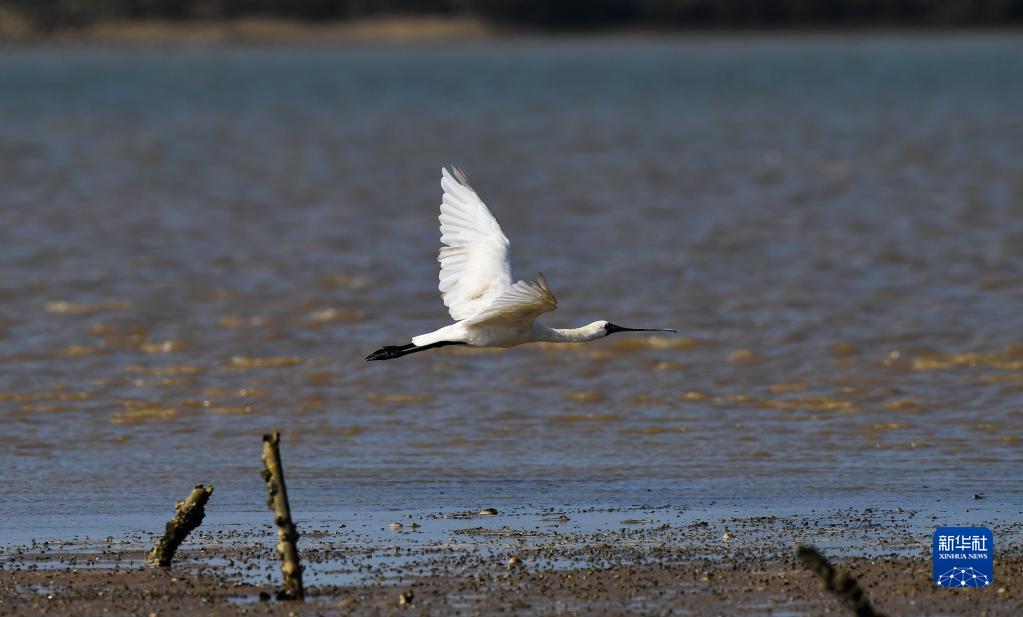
(199, 246)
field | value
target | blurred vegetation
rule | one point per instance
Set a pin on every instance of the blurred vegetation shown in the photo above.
(48, 15)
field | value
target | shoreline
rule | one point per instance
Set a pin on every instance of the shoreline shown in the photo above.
(644, 561)
(255, 30)
(425, 30)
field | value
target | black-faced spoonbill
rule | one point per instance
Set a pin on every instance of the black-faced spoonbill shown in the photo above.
(476, 285)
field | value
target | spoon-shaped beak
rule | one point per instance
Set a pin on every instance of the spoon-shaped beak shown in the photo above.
(612, 328)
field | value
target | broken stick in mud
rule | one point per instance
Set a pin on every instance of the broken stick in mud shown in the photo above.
(189, 515)
(843, 585)
(287, 533)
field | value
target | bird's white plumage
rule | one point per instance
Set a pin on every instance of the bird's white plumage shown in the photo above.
(475, 261)
(476, 285)
(521, 303)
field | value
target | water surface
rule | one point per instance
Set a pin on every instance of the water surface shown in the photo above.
(199, 246)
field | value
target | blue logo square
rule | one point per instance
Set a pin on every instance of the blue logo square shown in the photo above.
(964, 557)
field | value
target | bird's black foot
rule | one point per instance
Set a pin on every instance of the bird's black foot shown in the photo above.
(390, 352)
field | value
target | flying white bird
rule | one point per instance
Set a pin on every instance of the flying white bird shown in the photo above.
(476, 285)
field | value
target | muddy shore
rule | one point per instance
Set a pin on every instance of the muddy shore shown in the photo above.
(751, 587)
(639, 563)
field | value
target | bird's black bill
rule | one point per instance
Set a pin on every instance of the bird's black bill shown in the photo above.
(611, 328)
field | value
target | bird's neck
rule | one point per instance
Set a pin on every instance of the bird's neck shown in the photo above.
(571, 335)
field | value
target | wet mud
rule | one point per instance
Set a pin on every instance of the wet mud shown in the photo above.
(636, 561)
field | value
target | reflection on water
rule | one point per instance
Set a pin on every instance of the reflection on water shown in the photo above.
(201, 246)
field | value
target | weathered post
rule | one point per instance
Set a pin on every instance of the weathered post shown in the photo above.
(841, 584)
(287, 534)
(189, 515)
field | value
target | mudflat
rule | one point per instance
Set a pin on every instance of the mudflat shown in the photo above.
(640, 561)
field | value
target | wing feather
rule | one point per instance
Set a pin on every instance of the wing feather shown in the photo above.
(522, 302)
(475, 261)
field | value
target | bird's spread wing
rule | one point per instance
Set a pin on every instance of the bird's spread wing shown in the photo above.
(522, 302)
(475, 261)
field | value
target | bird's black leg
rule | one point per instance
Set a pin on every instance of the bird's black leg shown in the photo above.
(391, 352)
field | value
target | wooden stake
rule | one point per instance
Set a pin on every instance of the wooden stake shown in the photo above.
(841, 584)
(190, 512)
(287, 534)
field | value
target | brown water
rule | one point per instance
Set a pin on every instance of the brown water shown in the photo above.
(200, 246)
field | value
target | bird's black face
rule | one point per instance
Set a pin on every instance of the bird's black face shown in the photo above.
(611, 328)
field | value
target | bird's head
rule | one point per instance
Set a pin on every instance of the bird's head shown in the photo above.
(609, 328)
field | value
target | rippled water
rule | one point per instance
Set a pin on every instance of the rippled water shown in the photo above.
(199, 246)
